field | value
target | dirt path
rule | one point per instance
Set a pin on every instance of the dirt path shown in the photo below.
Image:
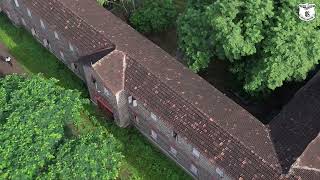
(6, 68)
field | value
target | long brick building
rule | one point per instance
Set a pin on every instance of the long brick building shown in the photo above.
(138, 84)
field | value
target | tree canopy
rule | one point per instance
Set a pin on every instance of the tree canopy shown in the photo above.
(264, 40)
(35, 117)
(153, 16)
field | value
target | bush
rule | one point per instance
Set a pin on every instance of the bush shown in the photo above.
(33, 137)
(154, 16)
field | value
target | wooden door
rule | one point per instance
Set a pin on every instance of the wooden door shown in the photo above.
(105, 108)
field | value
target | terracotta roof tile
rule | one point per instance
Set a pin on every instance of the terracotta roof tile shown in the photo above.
(72, 27)
(111, 70)
(187, 120)
(297, 124)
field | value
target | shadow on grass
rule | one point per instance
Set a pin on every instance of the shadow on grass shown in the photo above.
(142, 160)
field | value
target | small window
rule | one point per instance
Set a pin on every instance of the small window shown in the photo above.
(154, 135)
(56, 35)
(45, 42)
(134, 103)
(33, 31)
(106, 92)
(173, 151)
(23, 22)
(73, 66)
(29, 12)
(136, 119)
(130, 99)
(42, 24)
(194, 169)
(220, 172)
(175, 135)
(16, 2)
(94, 81)
(153, 117)
(195, 152)
(61, 55)
(71, 47)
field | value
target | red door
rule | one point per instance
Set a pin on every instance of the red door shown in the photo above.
(105, 107)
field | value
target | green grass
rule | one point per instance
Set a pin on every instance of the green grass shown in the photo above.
(142, 160)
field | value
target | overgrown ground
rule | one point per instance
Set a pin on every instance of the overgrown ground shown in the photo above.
(142, 160)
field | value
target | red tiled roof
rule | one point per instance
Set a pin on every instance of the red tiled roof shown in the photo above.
(297, 124)
(217, 144)
(70, 25)
(111, 70)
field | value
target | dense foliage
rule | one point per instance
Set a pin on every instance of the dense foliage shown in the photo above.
(265, 41)
(91, 156)
(153, 16)
(33, 134)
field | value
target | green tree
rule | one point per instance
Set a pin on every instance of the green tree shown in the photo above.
(194, 38)
(290, 50)
(153, 16)
(91, 156)
(33, 131)
(265, 41)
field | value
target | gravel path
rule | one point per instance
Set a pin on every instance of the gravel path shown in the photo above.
(6, 68)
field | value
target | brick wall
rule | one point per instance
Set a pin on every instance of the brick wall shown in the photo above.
(8, 7)
(146, 122)
(117, 100)
(47, 35)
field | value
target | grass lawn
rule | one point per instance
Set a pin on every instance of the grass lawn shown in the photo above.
(142, 160)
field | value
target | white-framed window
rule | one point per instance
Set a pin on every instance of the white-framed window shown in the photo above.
(106, 91)
(71, 47)
(220, 172)
(153, 116)
(33, 31)
(61, 55)
(194, 169)
(134, 103)
(56, 35)
(137, 119)
(73, 66)
(175, 135)
(42, 24)
(16, 2)
(195, 152)
(173, 151)
(45, 42)
(130, 99)
(29, 12)
(96, 86)
(154, 135)
(23, 22)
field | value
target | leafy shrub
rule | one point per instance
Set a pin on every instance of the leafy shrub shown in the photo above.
(154, 16)
(91, 156)
(32, 133)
